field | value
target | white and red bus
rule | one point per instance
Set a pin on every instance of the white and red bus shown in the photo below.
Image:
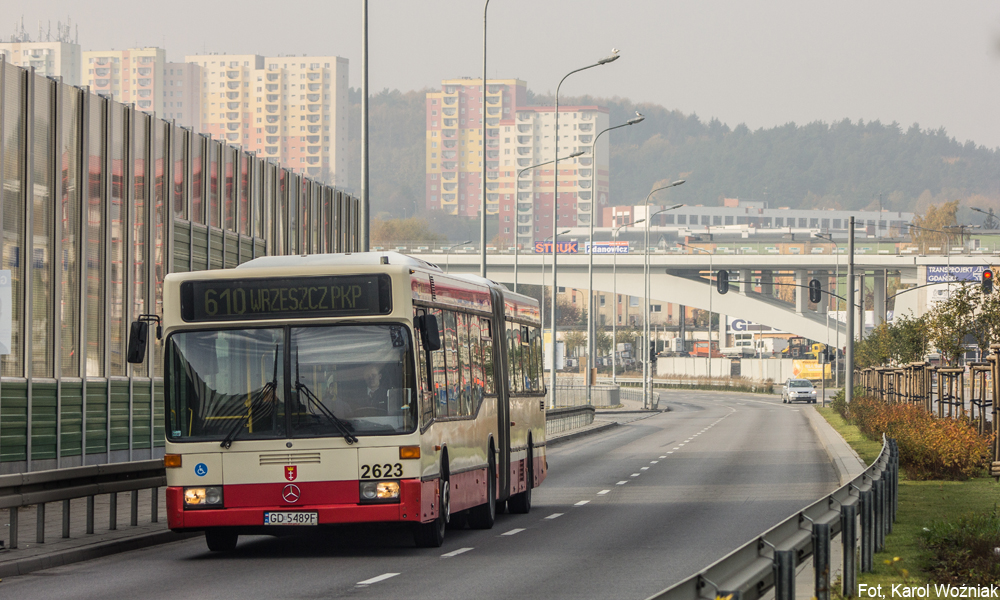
(347, 388)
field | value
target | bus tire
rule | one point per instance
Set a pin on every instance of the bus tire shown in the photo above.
(221, 540)
(520, 504)
(484, 515)
(431, 535)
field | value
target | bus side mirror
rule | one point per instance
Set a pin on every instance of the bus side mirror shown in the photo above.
(137, 342)
(429, 332)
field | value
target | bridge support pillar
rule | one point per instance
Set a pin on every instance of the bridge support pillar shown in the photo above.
(745, 276)
(767, 283)
(801, 292)
(879, 296)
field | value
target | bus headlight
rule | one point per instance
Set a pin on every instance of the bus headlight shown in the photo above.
(203, 497)
(374, 492)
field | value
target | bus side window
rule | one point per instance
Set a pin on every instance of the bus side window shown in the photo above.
(475, 350)
(439, 394)
(487, 338)
(514, 353)
(423, 371)
(536, 357)
(451, 362)
(530, 364)
(465, 366)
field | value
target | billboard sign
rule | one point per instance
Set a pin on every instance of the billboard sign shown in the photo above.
(562, 247)
(734, 325)
(946, 274)
(607, 248)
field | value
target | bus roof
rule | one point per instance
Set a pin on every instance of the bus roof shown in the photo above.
(341, 259)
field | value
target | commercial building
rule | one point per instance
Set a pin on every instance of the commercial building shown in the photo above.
(133, 76)
(289, 109)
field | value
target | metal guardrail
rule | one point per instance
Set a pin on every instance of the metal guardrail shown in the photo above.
(41, 487)
(861, 512)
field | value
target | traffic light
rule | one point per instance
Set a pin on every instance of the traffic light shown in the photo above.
(987, 281)
(815, 291)
(722, 281)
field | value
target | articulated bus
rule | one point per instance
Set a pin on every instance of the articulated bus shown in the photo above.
(346, 388)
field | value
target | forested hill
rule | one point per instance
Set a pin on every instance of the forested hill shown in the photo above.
(841, 165)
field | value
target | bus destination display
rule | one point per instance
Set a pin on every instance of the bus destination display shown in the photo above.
(294, 297)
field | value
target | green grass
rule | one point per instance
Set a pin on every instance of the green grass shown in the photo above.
(921, 503)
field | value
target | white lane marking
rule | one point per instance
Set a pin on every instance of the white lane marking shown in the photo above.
(663, 457)
(456, 552)
(602, 492)
(653, 462)
(671, 452)
(382, 577)
(554, 516)
(582, 502)
(636, 474)
(678, 447)
(513, 531)
(621, 483)
(644, 469)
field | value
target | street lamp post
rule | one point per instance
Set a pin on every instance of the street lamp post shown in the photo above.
(555, 208)
(447, 264)
(551, 300)
(614, 300)
(591, 325)
(482, 182)
(517, 182)
(647, 370)
(711, 271)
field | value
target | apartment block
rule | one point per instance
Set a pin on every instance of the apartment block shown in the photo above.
(51, 59)
(289, 109)
(182, 94)
(530, 139)
(454, 144)
(133, 76)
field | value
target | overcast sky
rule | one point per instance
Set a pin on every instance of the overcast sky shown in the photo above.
(762, 63)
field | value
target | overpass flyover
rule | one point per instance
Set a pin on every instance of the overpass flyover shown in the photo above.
(684, 279)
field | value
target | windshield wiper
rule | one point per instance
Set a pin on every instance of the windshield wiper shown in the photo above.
(265, 397)
(343, 427)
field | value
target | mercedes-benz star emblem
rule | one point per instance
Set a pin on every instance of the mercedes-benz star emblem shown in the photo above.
(291, 493)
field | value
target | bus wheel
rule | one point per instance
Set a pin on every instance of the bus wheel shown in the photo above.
(484, 515)
(520, 504)
(220, 540)
(431, 535)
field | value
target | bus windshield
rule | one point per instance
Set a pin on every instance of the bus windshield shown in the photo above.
(266, 383)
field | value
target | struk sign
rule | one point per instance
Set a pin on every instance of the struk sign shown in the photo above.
(608, 247)
(562, 247)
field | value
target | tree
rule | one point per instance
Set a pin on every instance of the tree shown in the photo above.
(602, 340)
(574, 340)
(386, 230)
(938, 218)
(950, 322)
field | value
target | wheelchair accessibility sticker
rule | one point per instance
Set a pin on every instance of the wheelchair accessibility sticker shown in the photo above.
(201, 469)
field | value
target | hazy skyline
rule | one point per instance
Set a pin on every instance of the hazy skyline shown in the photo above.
(763, 64)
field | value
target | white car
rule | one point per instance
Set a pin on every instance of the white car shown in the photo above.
(798, 389)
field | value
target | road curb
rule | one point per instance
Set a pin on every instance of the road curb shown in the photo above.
(577, 434)
(29, 564)
(844, 459)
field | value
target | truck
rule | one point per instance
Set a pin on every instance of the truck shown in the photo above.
(771, 346)
(742, 347)
(701, 348)
(798, 347)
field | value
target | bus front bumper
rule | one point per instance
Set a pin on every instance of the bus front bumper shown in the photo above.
(333, 502)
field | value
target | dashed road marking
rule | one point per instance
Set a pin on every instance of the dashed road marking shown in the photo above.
(644, 469)
(456, 552)
(582, 502)
(636, 474)
(621, 483)
(513, 531)
(663, 457)
(381, 577)
(602, 492)
(553, 516)
(653, 462)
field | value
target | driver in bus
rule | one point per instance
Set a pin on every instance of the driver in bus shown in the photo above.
(365, 396)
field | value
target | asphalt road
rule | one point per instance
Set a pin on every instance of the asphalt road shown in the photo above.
(623, 514)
